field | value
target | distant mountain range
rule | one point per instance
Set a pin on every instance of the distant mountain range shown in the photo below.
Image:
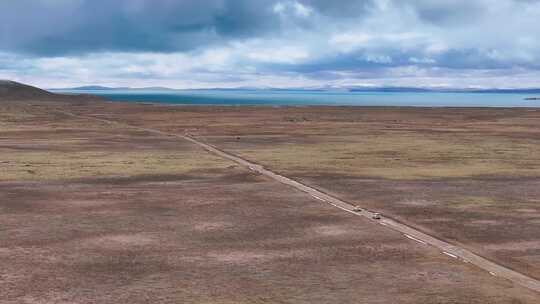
(447, 90)
(102, 88)
(320, 89)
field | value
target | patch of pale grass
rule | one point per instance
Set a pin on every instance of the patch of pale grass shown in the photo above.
(73, 165)
(404, 156)
(474, 202)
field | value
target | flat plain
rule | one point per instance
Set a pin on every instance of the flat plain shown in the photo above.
(95, 212)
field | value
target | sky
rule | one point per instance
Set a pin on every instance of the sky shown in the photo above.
(271, 43)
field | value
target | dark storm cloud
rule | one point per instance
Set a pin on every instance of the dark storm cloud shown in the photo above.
(339, 9)
(446, 12)
(56, 27)
(361, 60)
(63, 26)
(346, 62)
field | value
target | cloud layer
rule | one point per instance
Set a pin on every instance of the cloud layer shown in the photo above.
(218, 43)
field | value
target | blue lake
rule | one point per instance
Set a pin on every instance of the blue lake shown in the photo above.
(299, 98)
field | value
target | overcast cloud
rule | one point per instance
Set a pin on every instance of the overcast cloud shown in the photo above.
(280, 43)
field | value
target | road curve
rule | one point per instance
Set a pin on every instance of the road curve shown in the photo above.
(411, 233)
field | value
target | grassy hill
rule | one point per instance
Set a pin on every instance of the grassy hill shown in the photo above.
(14, 91)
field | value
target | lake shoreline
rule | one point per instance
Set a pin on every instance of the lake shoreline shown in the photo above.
(301, 98)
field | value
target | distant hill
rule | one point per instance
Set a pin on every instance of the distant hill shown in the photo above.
(442, 90)
(102, 88)
(11, 90)
(93, 88)
(14, 91)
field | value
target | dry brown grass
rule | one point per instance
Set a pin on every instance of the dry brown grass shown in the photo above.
(74, 165)
(402, 155)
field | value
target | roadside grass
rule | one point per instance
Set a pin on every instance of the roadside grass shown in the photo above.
(44, 166)
(403, 155)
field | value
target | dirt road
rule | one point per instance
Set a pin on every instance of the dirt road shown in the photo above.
(446, 248)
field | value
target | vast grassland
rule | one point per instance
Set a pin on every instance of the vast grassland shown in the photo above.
(98, 213)
(470, 176)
